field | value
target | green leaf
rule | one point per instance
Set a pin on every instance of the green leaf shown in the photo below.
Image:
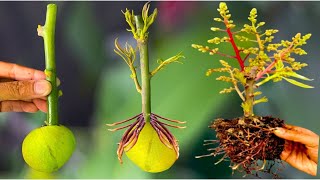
(261, 100)
(267, 79)
(297, 83)
(296, 75)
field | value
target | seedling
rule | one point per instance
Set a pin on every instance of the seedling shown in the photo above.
(250, 138)
(49, 147)
(147, 141)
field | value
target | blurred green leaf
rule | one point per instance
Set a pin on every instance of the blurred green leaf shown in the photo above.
(300, 84)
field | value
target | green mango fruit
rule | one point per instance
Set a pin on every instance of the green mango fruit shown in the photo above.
(48, 148)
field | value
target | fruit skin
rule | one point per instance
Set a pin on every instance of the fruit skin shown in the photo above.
(149, 153)
(48, 148)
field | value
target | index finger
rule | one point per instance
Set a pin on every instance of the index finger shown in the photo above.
(292, 135)
(300, 129)
(17, 72)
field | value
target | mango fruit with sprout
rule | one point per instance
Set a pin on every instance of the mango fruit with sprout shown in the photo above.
(147, 142)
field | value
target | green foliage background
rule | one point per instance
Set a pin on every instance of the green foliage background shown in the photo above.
(179, 91)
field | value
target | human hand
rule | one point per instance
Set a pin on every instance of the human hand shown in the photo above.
(22, 89)
(300, 149)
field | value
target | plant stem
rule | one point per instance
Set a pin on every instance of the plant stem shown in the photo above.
(145, 73)
(249, 100)
(235, 47)
(235, 84)
(48, 34)
(261, 47)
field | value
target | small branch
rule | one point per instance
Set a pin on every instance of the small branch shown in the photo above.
(265, 71)
(236, 32)
(235, 48)
(226, 55)
(244, 60)
(261, 47)
(269, 68)
(166, 62)
(135, 80)
(128, 54)
(236, 86)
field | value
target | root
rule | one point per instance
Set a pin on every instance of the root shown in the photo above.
(246, 142)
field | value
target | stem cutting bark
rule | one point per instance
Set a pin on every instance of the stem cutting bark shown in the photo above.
(145, 73)
(48, 33)
(249, 91)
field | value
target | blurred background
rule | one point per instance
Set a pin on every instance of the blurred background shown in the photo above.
(98, 90)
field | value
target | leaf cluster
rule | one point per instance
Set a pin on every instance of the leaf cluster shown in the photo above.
(140, 33)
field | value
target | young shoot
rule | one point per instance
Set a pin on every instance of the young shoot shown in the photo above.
(259, 63)
(147, 141)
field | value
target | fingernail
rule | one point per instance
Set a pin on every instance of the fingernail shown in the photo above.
(279, 130)
(42, 87)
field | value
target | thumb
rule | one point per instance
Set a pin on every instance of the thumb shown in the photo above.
(24, 90)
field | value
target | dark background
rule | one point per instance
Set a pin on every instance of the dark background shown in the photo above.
(98, 90)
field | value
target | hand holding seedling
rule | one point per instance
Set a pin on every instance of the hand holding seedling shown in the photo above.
(250, 138)
(300, 149)
(22, 89)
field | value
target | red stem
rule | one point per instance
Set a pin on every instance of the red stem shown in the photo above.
(268, 69)
(235, 48)
(246, 57)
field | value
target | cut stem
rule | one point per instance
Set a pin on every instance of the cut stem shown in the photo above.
(48, 33)
(145, 73)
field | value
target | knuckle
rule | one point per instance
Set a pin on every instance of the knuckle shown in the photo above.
(12, 72)
(17, 88)
(6, 106)
(29, 108)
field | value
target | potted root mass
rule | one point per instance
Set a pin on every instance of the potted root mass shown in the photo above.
(248, 141)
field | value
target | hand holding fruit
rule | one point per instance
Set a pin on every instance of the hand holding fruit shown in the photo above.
(22, 89)
(49, 147)
(301, 148)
